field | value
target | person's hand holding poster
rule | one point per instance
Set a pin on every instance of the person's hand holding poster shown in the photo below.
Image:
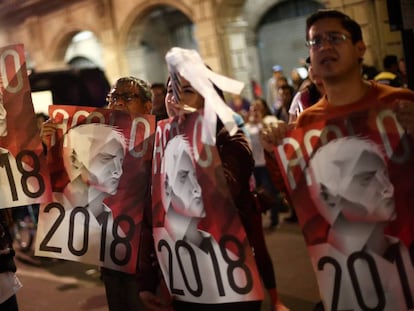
(352, 187)
(100, 167)
(200, 242)
(24, 178)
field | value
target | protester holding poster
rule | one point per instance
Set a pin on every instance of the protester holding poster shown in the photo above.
(347, 167)
(133, 95)
(211, 266)
(24, 178)
(97, 215)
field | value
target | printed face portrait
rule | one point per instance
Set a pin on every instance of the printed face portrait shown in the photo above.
(95, 152)
(369, 195)
(350, 177)
(182, 188)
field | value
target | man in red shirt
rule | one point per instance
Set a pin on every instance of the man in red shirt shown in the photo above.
(336, 50)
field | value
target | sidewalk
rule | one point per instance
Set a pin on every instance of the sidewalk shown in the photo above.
(295, 279)
(69, 286)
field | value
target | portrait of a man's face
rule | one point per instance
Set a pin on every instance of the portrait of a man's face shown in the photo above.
(369, 189)
(351, 178)
(182, 188)
(105, 168)
(95, 153)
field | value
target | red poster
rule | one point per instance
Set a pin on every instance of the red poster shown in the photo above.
(100, 164)
(200, 242)
(24, 178)
(351, 182)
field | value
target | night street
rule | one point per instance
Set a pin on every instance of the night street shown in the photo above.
(68, 286)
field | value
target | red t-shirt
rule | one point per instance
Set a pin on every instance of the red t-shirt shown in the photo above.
(378, 94)
(360, 119)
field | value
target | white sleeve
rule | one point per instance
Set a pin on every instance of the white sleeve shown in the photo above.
(296, 107)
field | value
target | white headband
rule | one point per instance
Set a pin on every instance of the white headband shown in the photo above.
(189, 65)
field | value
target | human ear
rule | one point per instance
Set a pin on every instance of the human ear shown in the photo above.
(361, 48)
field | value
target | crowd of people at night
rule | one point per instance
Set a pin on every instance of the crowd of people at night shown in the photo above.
(357, 211)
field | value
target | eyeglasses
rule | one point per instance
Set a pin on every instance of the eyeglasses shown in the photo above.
(126, 97)
(332, 38)
(284, 87)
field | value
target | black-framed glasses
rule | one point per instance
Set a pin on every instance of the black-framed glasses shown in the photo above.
(333, 38)
(125, 97)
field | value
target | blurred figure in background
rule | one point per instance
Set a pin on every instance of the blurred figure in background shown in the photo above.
(298, 75)
(258, 112)
(310, 92)
(272, 94)
(369, 72)
(286, 93)
(240, 105)
(158, 91)
(256, 89)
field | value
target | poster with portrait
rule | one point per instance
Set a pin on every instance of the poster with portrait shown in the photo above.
(200, 242)
(100, 166)
(24, 178)
(352, 187)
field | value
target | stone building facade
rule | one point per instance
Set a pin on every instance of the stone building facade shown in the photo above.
(133, 35)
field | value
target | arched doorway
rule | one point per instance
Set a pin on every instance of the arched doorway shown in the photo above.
(81, 81)
(281, 36)
(152, 36)
(84, 51)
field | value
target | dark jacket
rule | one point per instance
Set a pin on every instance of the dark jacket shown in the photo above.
(6, 245)
(237, 163)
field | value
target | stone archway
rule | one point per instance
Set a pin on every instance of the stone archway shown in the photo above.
(151, 37)
(84, 51)
(61, 42)
(148, 32)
